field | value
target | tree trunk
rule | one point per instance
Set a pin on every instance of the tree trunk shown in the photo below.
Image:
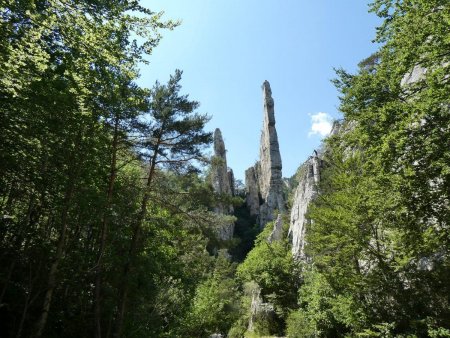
(123, 291)
(51, 283)
(29, 300)
(42, 321)
(7, 280)
(18, 244)
(104, 231)
(24, 315)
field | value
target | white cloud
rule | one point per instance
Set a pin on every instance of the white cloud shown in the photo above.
(321, 124)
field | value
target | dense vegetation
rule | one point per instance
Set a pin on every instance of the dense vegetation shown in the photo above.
(105, 219)
(106, 222)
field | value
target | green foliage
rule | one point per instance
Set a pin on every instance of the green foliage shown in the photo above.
(71, 171)
(239, 328)
(173, 137)
(215, 306)
(298, 326)
(322, 312)
(272, 268)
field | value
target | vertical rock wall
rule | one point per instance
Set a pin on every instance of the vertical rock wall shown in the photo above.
(264, 183)
(304, 194)
(230, 175)
(253, 195)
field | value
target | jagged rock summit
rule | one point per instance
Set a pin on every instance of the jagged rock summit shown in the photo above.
(264, 183)
(223, 183)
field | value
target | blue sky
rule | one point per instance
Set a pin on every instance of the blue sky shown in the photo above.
(226, 50)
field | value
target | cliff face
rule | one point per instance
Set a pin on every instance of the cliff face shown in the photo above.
(253, 195)
(230, 175)
(223, 183)
(304, 194)
(264, 183)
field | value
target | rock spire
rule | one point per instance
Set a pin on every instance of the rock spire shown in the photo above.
(220, 175)
(223, 183)
(264, 184)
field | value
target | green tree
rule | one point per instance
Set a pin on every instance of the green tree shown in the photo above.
(272, 268)
(173, 138)
(215, 306)
(58, 60)
(379, 236)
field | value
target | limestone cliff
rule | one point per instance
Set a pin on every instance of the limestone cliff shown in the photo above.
(264, 183)
(304, 194)
(253, 195)
(222, 182)
(230, 175)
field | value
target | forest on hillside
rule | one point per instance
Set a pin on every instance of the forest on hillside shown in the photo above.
(108, 214)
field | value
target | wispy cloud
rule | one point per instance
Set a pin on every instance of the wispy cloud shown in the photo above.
(321, 124)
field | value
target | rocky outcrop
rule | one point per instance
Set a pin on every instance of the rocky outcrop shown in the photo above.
(417, 74)
(336, 127)
(304, 194)
(277, 231)
(223, 183)
(264, 182)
